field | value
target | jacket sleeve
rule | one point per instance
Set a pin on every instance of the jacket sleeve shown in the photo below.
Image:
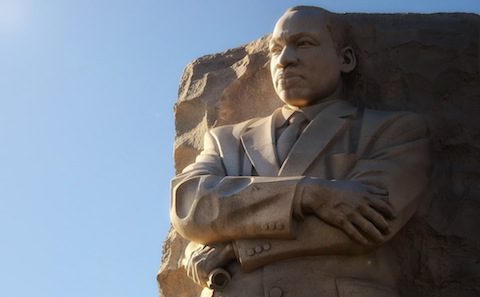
(207, 206)
(395, 158)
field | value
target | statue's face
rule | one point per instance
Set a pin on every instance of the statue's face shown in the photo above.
(305, 64)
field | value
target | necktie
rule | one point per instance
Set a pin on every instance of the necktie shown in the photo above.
(289, 136)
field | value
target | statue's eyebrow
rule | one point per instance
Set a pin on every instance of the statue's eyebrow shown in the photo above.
(285, 36)
(299, 35)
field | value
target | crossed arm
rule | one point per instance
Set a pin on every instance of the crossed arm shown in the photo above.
(230, 215)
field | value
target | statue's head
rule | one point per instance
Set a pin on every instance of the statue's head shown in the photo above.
(310, 54)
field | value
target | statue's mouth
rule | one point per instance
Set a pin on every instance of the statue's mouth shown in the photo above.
(288, 81)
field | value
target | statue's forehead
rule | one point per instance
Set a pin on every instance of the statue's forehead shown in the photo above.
(298, 22)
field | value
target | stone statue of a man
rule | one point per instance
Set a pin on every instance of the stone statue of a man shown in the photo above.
(305, 201)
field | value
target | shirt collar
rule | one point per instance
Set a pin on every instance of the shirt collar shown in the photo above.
(309, 111)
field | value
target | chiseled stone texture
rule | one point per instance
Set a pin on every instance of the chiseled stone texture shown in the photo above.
(425, 63)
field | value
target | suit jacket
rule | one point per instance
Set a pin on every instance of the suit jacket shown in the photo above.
(237, 192)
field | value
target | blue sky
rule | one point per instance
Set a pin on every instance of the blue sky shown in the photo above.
(86, 130)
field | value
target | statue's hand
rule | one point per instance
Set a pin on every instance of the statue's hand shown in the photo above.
(361, 211)
(200, 260)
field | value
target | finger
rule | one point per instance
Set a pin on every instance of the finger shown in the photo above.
(205, 249)
(190, 267)
(196, 270)
(342, 223)
(199, 276)
(377, 219)
(376, 190)
(210, 261)
(366, 227)
(383, 207)
(354, 234)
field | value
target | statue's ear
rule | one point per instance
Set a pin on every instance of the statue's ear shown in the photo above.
(348, 59)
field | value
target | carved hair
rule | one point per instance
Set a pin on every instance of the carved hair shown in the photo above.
(339, 30)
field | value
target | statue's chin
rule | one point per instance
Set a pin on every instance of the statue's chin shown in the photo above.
(299, 98)
(298, 102)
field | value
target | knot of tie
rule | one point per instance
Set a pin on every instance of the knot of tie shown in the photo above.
(289, 136)
(297, 118)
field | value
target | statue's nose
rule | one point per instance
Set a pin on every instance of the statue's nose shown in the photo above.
(288, 56)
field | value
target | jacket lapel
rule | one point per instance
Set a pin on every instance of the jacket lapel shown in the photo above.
(259, 145)
(316, 136)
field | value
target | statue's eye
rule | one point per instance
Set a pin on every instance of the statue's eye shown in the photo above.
(304, 43)
(275, 49)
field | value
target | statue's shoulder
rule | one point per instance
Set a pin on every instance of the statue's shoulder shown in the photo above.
(394, 123)
(389, 117)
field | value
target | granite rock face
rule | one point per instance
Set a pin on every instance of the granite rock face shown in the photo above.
(425, 63)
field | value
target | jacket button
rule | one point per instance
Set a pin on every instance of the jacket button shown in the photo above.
(258, 249)
(266, 246)
(275, 292)
(250, 252)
